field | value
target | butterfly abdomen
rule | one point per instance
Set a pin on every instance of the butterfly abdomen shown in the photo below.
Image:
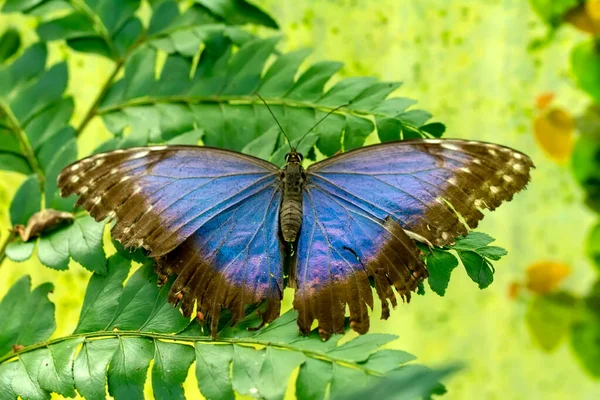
(290, 214)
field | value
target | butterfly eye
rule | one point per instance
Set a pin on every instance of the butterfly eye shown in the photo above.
(300, 157)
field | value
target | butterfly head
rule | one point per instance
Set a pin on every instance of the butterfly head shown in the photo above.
(294, 157)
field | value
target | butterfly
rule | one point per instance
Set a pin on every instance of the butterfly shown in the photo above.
(235, 229)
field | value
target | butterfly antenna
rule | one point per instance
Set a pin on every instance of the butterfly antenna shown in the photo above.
(321, 120)
(275, 118)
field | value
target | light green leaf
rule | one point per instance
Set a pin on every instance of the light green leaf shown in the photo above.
(549, 319)
(387, 360)
(276, 370)
(245, 371)
(128, 367)
(81, 241)
(585, 342)
(212, 370)
(90, 368)
(102, 296)
(313, 379)
(56, 367)
(361, 347)
(171, 364)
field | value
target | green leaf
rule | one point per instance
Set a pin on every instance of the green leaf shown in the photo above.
(245, 371)
(361, 347)
(238, 12)
(27, 201)
(25, 317)
(102, 296)
(171, 364)
(440, 265)
(128, 368)
(313, 378)
(81, 241)
(585, 342)
(10, 41)
(56, 367)
(474, 252)
(478, 268)
(275, 371)
(585, 62)
(404, 384)
(549, 319)
(553, 11)
(593, 245)
(387, 360)
(212, 370)
(20, 251)
(90, 367)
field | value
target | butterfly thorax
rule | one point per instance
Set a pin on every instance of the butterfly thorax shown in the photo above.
(293, 177)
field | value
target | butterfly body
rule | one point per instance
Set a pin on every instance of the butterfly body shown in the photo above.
(218, 220)
(293, 179)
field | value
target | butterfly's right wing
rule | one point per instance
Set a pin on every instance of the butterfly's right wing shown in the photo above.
(208, 215)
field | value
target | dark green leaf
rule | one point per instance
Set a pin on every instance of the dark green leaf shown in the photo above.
(128, 368)
(585, 62)
(473, 241)
(436, 129)
(75, 25)
(25, 317)
(345, 380)
(212, 370)
(407, 383)
(238, 12)
(171, 364)
(585, 341)
(478, 268)
(553, 11)
(10, 41)
(593, 245)
(24, 382)
(440, 265)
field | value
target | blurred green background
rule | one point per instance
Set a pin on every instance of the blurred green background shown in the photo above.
(479, 67)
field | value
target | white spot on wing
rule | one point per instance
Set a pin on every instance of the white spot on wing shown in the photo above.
(478, 203)
(494, 189)
(433, 141)
(477, 161)
(452, 181)
(97, 200)
(74, 178)
(158, 148)
(518, 156)
(466, 170)
(492, 152)
(84, 190)
(75, 167)
(445, 236)
(123, 179)
(508, 178)
(450, 147)
(518, 167)
(140, 155)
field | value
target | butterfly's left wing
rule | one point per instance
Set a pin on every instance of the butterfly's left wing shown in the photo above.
(362, 210)
(210, 216)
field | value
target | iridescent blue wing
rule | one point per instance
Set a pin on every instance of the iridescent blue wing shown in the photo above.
(208, 215)
(363, 209)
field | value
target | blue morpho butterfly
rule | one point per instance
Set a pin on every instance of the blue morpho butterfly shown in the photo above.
(234, 228)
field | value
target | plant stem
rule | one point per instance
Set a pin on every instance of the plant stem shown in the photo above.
(191, 339)
(93, 111)
(15, 127)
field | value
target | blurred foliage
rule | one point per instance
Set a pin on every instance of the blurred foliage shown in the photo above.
(554, 314)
